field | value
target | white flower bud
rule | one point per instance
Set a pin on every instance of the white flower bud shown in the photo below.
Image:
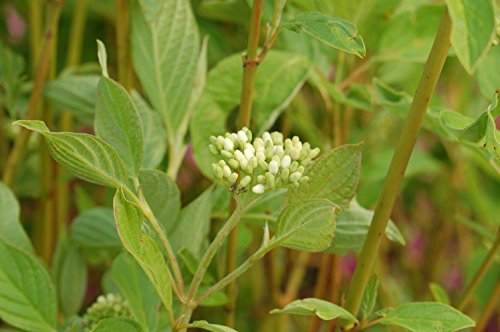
(228, 144)
(213, 149)
(253, 162)
(219, 174)
(250, 147)
(243, 163)
(227, 171)
(285, 173)
(286, 161)
(233, 177)
(277, 137)
(314, 153)
(261, 179)
(300, 169)
(266, 137)
(295, 140)
(222, 163)
(260, 155)
(245, 181)
(263, 164)
(294, 177)
(295, 153)
(293, 166)
(247, 132)
(288, 144)
(278, 150)
(226, 154)
(259, 189)
(239, 156)
(273, 167)
(242, 136)
(269, 152)
(233, 163)
(258, 143)
(248, 154)
(219, 143)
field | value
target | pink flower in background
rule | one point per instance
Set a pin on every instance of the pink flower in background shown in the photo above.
(416, 247)
(453, 280)
(16, 25)
(348, 265)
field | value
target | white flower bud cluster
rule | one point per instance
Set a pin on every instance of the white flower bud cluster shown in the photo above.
(106, 306)
(266, 163)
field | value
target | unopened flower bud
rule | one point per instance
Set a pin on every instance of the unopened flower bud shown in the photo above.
(227, 171)
(273, 167)
(294, 177)
(213, 149)
(228, 144)
(277, 137)
(233, 177)
(293, 166)
(266, 137)
(295, 153)
(242, 136)
(248, 154)
(285, 173)
(263, 164)
(219, 174)
(261, 179)
(239, 155)
(304, 179)
(314, 153)
(226, 154)
(286, 161)
(233, 163)
(258, 189)
(245, 181)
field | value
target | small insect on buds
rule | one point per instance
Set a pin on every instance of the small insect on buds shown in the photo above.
(268, 162)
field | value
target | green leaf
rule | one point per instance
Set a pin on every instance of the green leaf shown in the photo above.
(473, 26)
(487, 72)
(119, 124)
(70, 275)
(95, 228)
(165, 51)
(333, 31)
(88, 157)
(427, 316)
(117, 324)
(277, 82)
(129, 222)
(12, 68)
(103, 58)
(439, 293)
(203, 324)
(11, 230)
(162, 196)
(27, 296)
(140, 294)
(192, 228)
(334, 176)
(311, 306)
(369, 297)
(352, 227)
(307, 226)
(155, 142)
(75, 94)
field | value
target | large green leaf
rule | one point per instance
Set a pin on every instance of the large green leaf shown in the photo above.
(191, 229)
(427, 316)
(95, 228)
(27, 296)
(11, 229)
(321, 308)
(117, 324)
(75, 94)
(352, 227)
(333, 31)
(278, 80)
(472, 29)
(70, 274)
(137, 290)
(308, 225)
(204, 325)
(165, 51)
(155, 136)
(88, 157)
(487, 72)
(129, 222)
(334, 176)
(162, 196)
(118, 123)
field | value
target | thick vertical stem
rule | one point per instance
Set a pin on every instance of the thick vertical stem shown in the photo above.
(17, 152)
(123, 44)
(250, 65)
(480, 273)
(399, 162)
(35, 31)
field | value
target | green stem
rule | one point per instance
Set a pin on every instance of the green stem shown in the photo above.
(17, 152)
(250, 65)
(398, 166)
(123, 44)
(176, 152)
(212, 250)
(35, 26)
(231, 262)
(234, 275)
(480, 273)
(148, 213)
